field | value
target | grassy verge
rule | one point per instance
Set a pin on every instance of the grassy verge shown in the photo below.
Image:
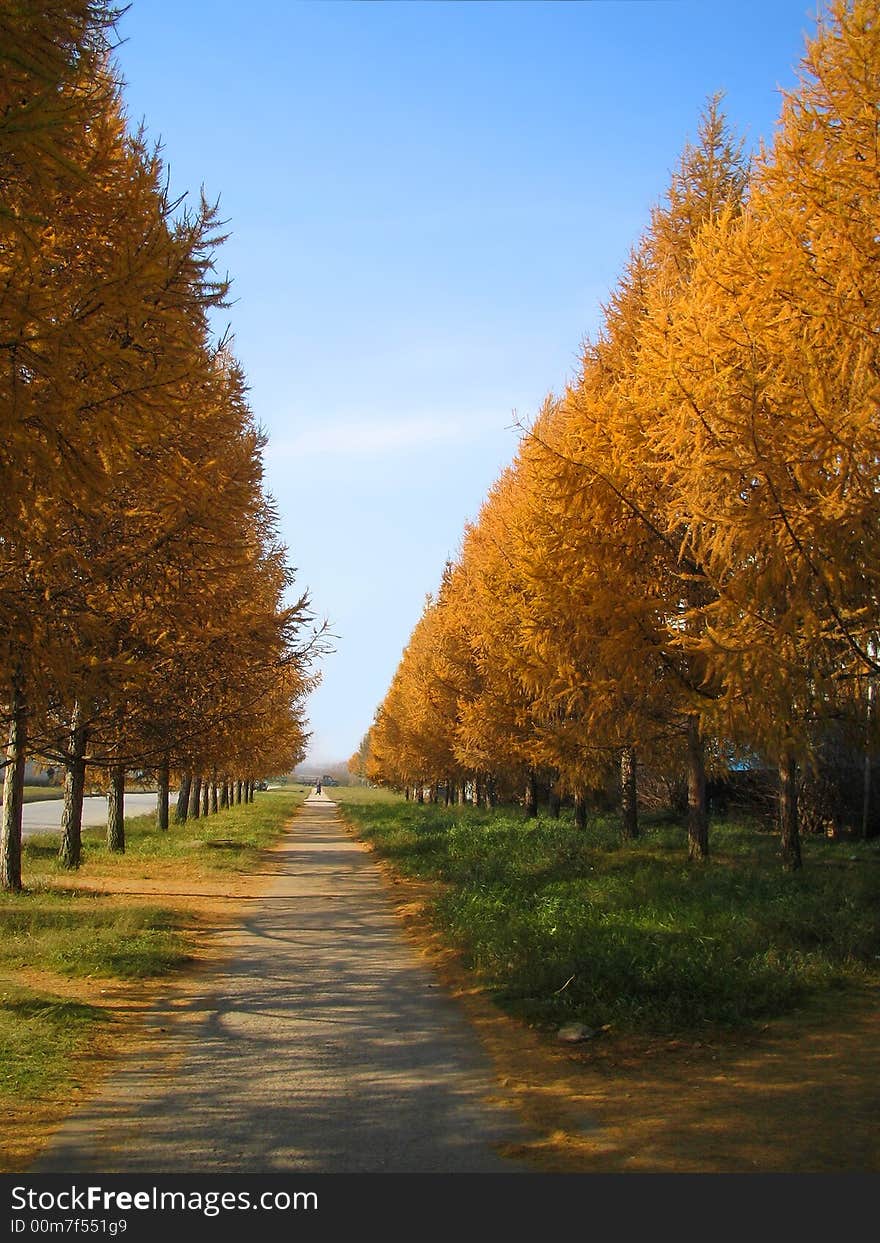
(362, 796)
(70, 933)
(229, 841)
(41, 794)
(41, 1036)
(563, 925)
(89, 935)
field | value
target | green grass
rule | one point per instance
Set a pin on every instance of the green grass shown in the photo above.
(41, 794)
(41, 1037)
(230, 840)
(80, 936)
(89, 935)
(567, 925)
(360, 795)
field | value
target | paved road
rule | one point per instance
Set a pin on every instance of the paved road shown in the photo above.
(325, 1045)
(45, 815)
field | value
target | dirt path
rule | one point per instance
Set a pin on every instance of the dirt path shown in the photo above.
(323, 1045)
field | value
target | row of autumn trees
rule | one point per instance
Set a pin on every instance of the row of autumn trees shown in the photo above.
(682, 564)
(142, 581)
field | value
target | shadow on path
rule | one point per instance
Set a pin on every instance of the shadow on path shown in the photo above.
(324, 1045)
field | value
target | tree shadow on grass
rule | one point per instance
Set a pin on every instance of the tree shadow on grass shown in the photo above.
(59, 1011)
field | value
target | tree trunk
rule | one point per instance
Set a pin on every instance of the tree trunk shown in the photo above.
(554, 802)
(195, 797)
(116, 810)
(238, 792)
(420, 793)
(788, 813)
(629, 808)
(580, 809)
(13, 792)
(866, 773)
(162, 782)
(461, 793)
(206, 796)
(70, 852)
(224, 794)
(447, 792)
(215, 798)
(490, 797)
(530, 799)
(698, 817)
(182, 809)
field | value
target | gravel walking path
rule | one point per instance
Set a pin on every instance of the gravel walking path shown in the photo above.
(323, 1045)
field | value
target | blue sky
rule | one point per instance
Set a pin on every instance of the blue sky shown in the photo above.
(428, 203)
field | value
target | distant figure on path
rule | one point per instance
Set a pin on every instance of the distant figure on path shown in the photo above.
(318, 788)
